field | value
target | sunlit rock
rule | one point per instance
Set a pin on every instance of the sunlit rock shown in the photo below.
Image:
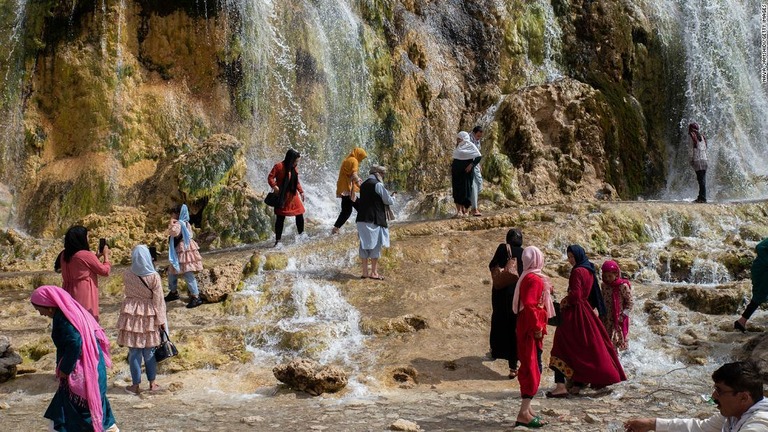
(311, 377)
(720, 300)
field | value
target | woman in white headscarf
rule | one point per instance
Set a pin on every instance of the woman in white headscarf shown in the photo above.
(465, 157)
(142, 317)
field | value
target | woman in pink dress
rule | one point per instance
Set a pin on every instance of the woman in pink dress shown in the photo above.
(582, 351)
(184, 256)
(142, 317)
(81, 268)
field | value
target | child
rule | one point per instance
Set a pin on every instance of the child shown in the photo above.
(617, 294)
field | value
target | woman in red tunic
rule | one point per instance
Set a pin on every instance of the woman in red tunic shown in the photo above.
(532, 303)
(81, 268)
(582, 350)
(284, 180)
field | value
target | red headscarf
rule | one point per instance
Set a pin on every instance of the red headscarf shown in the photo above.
(613, 267)
(87, 385)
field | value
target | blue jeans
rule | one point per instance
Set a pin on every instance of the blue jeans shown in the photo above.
(173, 280)
(135, 355)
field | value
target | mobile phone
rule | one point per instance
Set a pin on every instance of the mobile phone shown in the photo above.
(102, 243)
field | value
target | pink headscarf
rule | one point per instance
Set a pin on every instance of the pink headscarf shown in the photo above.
(613, 267)
(533, 262)
(85, 324)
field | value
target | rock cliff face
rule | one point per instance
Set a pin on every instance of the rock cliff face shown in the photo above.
(118, 99)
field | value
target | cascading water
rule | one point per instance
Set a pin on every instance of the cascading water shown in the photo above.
(12, 72)
(306, 79)
(718, 45)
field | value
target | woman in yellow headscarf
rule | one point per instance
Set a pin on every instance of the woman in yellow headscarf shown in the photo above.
(348, 185)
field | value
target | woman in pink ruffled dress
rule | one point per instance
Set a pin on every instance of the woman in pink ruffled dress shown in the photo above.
(142, 317)
(184, 256)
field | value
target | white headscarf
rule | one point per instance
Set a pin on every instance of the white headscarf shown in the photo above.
(141, 261)
(466, 150)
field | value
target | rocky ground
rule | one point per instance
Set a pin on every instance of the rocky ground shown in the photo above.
(430, 319)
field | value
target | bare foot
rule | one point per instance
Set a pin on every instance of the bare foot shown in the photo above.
(154, 387)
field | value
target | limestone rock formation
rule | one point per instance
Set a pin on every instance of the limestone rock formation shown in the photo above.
(721, 300)
(220, 281)
(8, 360)
(402, 324)
(311, 377)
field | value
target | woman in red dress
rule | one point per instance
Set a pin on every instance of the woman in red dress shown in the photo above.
(284, 180)
(532, 302)
(582, 351)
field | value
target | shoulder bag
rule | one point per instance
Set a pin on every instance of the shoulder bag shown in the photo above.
(272, 199)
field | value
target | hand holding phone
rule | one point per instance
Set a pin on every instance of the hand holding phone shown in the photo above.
(102, 243)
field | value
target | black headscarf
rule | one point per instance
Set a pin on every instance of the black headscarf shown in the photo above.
(75, 240)
(595, 294)
(515, 242)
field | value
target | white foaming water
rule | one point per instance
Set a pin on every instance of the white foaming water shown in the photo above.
(720, 43)
(305, 318)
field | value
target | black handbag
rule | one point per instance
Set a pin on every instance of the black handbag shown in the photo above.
(272, 199)
(166, 349)
(555, 320)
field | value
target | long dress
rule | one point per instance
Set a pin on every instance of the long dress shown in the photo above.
(80, 277)
(613, 295)
(532, 317)
(68, 412)
(461, 181)
(582, 350)
(503, 339)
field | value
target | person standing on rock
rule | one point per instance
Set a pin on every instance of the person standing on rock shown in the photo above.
(477, 179)
(142, 317)
(738, 394)
(372, 214)
(759, 285)
(184, 256)
(699, 160)
(617, 295)
(284, 181)
(347, 185)
(505, 266)
(81, 268)
(582, 351)
(82, 358)
(465, 157)
(532, 302)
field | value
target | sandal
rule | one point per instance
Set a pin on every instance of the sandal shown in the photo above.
(536, 423)
(551, 395)
(512, 374)
(380, 278)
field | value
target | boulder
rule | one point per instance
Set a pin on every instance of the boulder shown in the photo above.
(756, 349)
(8, 360)
(311, 377)
(721, 300)
(404, 425)
(220, 281)
(658, 318)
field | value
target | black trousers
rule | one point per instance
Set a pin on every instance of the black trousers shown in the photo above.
(751, 308)
(280, 223)
(346, 211)
(701, 177)
(560, 379)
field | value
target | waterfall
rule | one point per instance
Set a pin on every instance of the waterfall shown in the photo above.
(12, 71)
(717, 43)
(305, 78)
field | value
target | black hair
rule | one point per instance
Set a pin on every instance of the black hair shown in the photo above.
(75, 240)
(291, 180)
(515, 237)
(743, 376)
(477, 129)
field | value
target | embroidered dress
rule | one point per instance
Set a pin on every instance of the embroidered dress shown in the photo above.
(617, 300)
